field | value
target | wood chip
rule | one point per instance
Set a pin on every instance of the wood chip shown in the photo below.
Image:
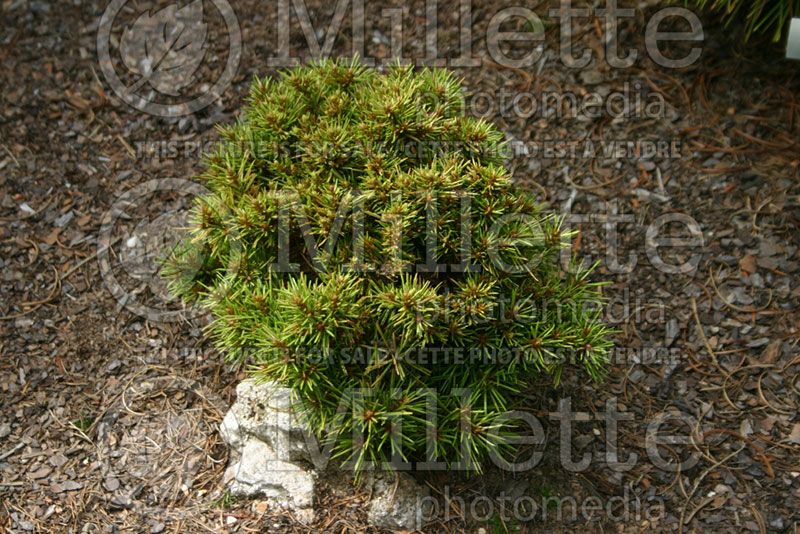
(794, 437)
(748, 264)
(67, 485)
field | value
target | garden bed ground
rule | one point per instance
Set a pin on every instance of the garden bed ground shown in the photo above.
(108, 418)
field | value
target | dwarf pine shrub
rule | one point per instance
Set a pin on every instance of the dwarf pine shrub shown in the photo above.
(769, 17)
(363, 245)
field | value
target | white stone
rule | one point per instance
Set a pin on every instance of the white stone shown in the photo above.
(265, 436)
(264, 411)
(260, 472)
(270, 459)
(398, 502)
